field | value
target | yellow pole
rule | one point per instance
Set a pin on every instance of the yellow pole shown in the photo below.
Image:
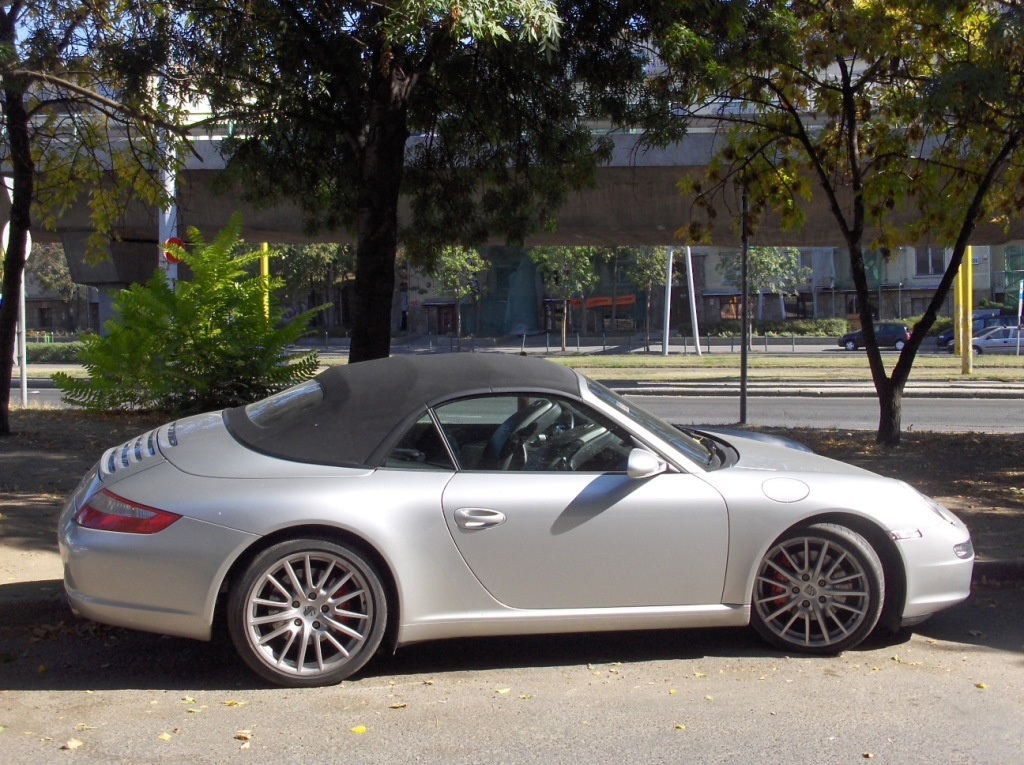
(957, 310)
(265, 273)
(967, 311)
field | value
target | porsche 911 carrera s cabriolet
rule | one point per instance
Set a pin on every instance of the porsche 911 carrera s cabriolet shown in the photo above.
(438, 496)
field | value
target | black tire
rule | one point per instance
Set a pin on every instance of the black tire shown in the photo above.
(851, 345)
(899, 344)
(307, 612)
(977, 350)
(818, 590)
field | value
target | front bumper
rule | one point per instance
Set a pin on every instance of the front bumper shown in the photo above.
(937, 577)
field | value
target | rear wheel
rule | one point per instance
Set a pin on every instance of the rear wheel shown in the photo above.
(818, 590)
(307, 612)
(899, 344)
(850, 345)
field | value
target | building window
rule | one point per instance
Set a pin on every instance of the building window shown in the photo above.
(930, 260)
(1014, 273)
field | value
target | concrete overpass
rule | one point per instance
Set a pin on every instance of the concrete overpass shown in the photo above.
(636, 202)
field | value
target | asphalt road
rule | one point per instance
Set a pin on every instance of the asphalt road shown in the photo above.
(850, 413)
(843, 412)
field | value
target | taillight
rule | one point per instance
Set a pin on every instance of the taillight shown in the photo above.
(106, 511)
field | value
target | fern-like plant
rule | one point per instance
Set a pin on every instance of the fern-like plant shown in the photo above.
(205, 344)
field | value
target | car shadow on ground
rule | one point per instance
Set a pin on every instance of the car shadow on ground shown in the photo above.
(49, 649)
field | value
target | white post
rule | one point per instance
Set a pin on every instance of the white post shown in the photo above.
(168, 225)
(22, 350)
(693, 299)
(20, 329)
(668, 302)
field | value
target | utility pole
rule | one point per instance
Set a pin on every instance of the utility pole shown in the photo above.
(744, 299)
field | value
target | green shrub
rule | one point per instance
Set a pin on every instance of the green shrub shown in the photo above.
(206, 344)
(779, 328)
(53, 353)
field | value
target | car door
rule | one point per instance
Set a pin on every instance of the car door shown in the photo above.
(561, 525)
(999, 340)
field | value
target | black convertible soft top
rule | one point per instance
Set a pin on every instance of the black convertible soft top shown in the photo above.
(366, 407)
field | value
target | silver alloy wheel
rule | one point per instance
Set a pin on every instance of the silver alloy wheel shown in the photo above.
(851, 345)
(818, 590)
(307, 613)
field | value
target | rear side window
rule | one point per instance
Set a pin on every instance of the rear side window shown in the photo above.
(270, 411)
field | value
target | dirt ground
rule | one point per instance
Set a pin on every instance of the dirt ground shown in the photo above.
(978, 476)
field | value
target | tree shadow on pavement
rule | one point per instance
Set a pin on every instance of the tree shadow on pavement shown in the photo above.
(52, 650)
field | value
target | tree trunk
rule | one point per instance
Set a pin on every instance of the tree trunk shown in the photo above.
(23, 168)
(565, 321)
(647, 320)
(383, 160)
(890, 415)
(458, 324)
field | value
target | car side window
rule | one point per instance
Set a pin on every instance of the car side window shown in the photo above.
(533, 433)
(421, 448)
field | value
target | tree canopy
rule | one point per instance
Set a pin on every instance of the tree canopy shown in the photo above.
(79, 116)
(475, 113)
(906, 117)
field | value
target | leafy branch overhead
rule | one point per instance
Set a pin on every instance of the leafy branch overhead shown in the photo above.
(903, 121)
(205, 345)
(474, 119)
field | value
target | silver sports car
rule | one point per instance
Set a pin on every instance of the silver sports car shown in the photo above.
(424, 497)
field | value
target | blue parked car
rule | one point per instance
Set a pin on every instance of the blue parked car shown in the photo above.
(985, 322)
(888, 335)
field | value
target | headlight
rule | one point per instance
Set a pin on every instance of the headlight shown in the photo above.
(938, 509)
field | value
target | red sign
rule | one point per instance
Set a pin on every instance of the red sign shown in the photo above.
(172, 242)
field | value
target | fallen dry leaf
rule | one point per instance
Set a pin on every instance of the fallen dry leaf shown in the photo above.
(72, 744)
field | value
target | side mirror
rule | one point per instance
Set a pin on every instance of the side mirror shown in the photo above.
(644, 464)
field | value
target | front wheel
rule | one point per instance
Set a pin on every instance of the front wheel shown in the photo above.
(307, 612)
(899, 344)
(850, 345)
(818, 590)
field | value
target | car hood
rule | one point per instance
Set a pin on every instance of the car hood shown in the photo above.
(771, 457)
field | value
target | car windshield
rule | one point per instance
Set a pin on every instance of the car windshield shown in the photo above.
(689, 446)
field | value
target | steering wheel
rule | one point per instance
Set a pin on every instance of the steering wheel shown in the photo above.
(509, 440)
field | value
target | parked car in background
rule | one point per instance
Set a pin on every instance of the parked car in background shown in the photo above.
(887, 334)
(996, 340)
(979, 325)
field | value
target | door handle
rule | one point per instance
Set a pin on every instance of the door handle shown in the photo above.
(473, 518)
